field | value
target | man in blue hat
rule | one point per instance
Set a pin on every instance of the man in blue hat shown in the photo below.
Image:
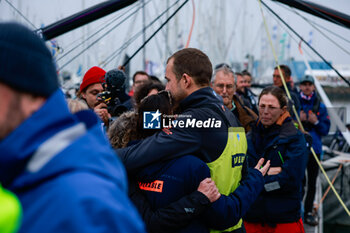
(59, 165)
(315, 119)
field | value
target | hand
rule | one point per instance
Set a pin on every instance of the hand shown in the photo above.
(274, 171)
(209, 189)
(102, 112)
(312, 117)
(262, 169)
(302, 116)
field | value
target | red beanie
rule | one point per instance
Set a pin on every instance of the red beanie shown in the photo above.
(93, 75)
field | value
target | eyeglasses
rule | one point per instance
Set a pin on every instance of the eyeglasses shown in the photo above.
(262, 108)
(228, 86)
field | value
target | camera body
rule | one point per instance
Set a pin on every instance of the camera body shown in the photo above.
(114, 89)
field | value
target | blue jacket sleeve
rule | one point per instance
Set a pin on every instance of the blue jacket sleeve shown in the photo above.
(228, 210)
(293, 167)
(174, 216)
(322, 128)
(180, 213)
(158, 147)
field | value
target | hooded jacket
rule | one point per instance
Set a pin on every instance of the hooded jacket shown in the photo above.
(65, 173)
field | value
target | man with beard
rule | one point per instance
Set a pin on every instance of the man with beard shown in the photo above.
(203, 128)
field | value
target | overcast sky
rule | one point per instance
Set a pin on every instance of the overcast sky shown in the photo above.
(226, 30)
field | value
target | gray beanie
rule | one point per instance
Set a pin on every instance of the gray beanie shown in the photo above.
(26, 63)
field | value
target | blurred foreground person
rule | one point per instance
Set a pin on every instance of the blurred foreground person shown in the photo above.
(59, 165)
(10, 212)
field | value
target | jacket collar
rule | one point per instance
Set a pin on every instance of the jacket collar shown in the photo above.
(201, 97)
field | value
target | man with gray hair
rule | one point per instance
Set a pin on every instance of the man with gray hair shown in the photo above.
(223, 83)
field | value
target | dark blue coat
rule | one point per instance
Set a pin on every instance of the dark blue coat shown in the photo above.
(65, 173)
(323, 125)
(184, 141)
(285, 147)
(207, 144)
(167, 182)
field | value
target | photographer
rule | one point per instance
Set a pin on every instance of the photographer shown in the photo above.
(104, 92)
(114, 94)
(90, 88)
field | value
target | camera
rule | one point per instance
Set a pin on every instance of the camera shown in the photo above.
(114, 92)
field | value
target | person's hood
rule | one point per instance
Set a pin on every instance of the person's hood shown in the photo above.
(53, 141)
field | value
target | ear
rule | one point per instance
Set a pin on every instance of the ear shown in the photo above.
(187, 80)
(284, 109)
(83, 94)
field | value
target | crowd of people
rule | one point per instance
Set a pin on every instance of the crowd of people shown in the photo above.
(199, 153)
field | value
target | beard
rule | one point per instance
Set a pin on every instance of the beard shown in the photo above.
(14, 117)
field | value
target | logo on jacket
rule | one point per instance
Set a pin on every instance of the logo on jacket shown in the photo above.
(238, 159)
(155, 186)
(151, 120)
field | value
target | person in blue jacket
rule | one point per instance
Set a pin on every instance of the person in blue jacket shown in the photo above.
(275, 138)
(60, 166)
(204, 128)
(315, 119)
(166, 182)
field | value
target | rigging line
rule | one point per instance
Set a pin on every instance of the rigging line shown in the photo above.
(20, 13)
(89, 37)
(287, 30)
(166, 21)
(329, 187)
(164, 33)
(120, 49)
(127, 37)
(192, 25)
(113, 55)
(328, 30)
(93, 43)
(336, 71)
(279, 68)
(156, 38)
(321, 12)
(311, 23)
(104, 25)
